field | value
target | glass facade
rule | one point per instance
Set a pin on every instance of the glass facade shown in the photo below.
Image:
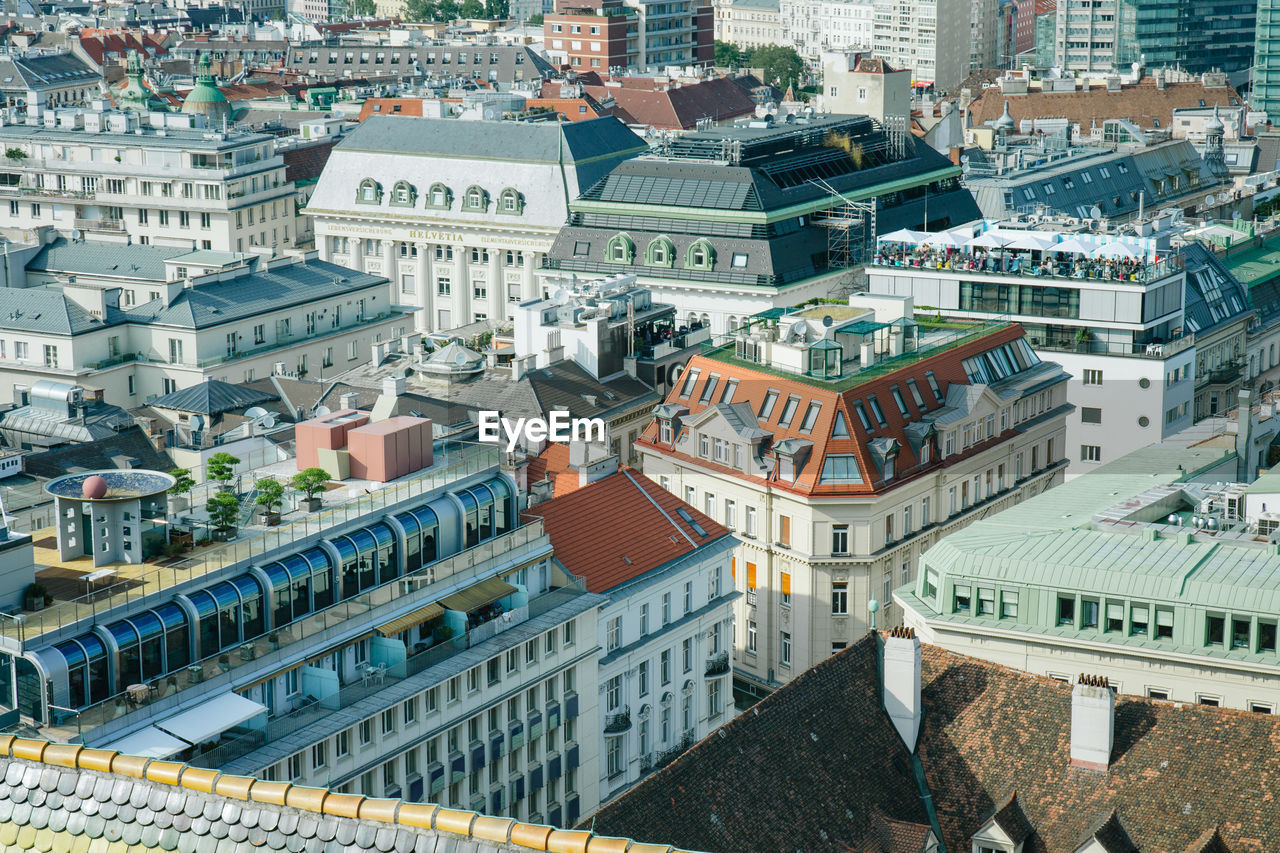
(146, 645)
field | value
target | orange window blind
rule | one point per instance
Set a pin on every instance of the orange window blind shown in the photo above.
(751, 575)
(786, 583)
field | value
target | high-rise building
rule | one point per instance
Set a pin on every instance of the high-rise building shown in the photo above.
(619, 35)
(1266, 61)
(1103, 36)
(914, 35)
(839, 442)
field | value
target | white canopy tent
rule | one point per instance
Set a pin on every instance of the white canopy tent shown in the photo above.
(954, 237)
(990, 240)
(1033, 241)
(903, 235)
(1073, 246)
(1116, 249)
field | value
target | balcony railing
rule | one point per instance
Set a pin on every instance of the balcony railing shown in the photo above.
(718, 664)
(1022, 266)
(1160, 350)
(100, 224)
(288, 340)
(666, 756)
(313, 711)
(618, 721)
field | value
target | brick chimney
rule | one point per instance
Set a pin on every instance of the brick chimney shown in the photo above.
(592, 460)
(1093, 722)
(902, 683)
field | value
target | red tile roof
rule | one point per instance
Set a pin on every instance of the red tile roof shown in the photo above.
(1141, 103)
(679, 107)
(390, 106)
(754, 385)
(306, 162)
(554, 463)
(616, 529)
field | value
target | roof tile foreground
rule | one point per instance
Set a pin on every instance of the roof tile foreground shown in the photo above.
(65, 797)
(818, 766)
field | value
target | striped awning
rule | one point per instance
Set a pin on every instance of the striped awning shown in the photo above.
(485, 592)
(409, 620)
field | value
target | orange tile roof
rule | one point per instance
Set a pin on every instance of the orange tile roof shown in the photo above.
(754, 385)
(1141, 103)
(554, 463)
(388, 106)
(618, 528)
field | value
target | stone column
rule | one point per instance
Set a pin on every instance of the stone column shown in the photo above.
(497, 287)
(528, 281)
(422, 298)
(461, 298)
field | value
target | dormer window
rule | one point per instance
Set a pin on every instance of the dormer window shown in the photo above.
(690, 379)
(620, 249)
(439, 197)
(476, 200)
(660, 252)
(701, 256)
(403, 194)
(664, 431)
(369, 192)
(510, 201)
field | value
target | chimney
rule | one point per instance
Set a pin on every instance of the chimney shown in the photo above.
(592, 460)
(1244, 436)
(902, 683)
(1093, 722)
(393, 386)
(349, 400)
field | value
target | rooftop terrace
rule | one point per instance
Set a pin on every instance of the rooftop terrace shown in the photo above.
(77, 601)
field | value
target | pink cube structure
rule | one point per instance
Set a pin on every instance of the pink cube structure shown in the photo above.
(390, 448)
(328, 432)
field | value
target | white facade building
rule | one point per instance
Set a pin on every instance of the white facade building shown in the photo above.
(814, 26)
(667, 629)
(1149, 351)
(837, 478)
(749, 23)
(212, 314)
(458, 213)
(155, 178)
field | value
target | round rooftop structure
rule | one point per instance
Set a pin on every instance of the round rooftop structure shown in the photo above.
(113, 485)
(205, 98)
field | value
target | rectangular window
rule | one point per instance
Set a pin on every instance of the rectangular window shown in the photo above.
(1092, 377)
(839, 539)
(1090, 415)
(784, 531)
(1090, 453)
(1115, 618)
(785, 579)
(962, 594)
(1066, 610)
(839, 599)
(752, 634)
(986, 602)
(1140, 621)
(1266, 636)
(786, 649)
(750, 527)
(1008, 604)
(1240, 633)
(1215, 630)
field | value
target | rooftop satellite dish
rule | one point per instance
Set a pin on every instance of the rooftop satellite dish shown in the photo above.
(321, 411)
(255, 412)
(827, 321)
(1208, 200)
(76, 234)
(1095, 212)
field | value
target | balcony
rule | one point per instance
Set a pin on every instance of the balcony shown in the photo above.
(618, 721)
(43, 192)
(717, 665)
(314, 709)
(677, 749)
(1156, 350)
(100, 224)
(288, 340)
(1223, 374)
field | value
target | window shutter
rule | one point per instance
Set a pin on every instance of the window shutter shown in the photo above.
(786, 583)
(733, 567)
(784, 529)
(1115, 611)
(751, 575)
(1164, 618)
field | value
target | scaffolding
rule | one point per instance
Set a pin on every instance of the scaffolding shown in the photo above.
(851, 234)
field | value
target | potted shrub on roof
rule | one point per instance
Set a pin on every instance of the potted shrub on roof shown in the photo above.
(224, 512)
(221, 468)
(181, 488)
(270, 497)
(311, 482)
(35, 597)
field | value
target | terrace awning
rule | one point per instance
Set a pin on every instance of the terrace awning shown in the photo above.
(205, 722)
(409, 620)
(149, 743)
(485, 592)
(903, 235)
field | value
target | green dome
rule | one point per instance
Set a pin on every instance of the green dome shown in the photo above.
(205, 99)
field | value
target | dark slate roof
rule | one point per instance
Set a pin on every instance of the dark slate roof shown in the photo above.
(100, 420)
(254, 293)
(130, 445)
(546, 142)
(565, 385)
(54, 69)
(38, 309)
(1012, 821)
(815, 766)
(212, 397)
(108, 259)
(822, 744)
(1213, 295)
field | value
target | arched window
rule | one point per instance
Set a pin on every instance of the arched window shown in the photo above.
(370, 192)
(403, 194)
(511, 201)
(439, 196)
(620, 250)
(660, 253)
(701, 256)
(475, 199)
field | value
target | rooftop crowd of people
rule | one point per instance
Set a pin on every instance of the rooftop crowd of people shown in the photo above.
(1044, 262)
